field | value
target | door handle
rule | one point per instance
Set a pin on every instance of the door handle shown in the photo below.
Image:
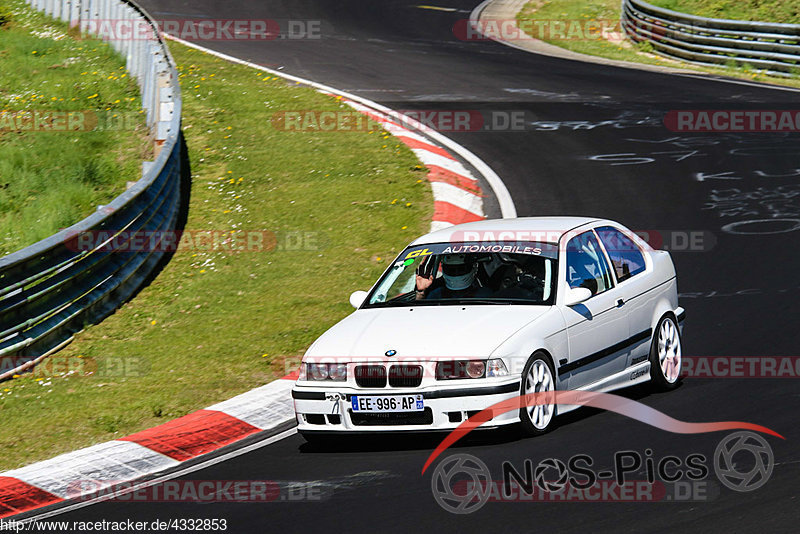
(620, 303)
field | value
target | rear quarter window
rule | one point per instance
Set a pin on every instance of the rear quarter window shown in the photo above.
(625, 255)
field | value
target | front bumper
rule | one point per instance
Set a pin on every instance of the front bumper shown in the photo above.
(328, 409)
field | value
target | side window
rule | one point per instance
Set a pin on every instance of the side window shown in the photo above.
(586, 265)
(625, 255)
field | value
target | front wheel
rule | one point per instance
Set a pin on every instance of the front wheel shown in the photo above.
(665, 355)
(537, 377)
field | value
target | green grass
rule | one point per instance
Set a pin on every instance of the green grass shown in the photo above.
(787, 11)
(216, 324)
(50, 180)
(620, 49)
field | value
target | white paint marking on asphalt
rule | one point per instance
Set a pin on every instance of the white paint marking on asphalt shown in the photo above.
(437, 8)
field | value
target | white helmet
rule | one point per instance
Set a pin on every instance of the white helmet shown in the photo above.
(459, 271)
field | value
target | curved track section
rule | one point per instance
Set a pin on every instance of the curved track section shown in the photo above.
(594, 142)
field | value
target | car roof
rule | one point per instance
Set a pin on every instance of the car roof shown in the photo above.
(545, 229)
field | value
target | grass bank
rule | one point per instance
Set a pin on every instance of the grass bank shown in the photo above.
(787, 11)
(90, 138)
(623, 49)
(335, 207)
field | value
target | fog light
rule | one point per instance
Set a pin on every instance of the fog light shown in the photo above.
(496, 368)
(476, 369)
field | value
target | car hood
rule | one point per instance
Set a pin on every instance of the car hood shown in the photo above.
(427, 332)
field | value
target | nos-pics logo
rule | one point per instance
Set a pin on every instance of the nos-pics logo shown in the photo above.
(462, 484)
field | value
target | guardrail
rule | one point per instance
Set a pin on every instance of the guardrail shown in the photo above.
(52, 289)
(763, 45)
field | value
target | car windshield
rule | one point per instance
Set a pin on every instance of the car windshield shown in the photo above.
(469, 273)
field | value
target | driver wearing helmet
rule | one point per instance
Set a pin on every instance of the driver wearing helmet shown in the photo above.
(459, 272)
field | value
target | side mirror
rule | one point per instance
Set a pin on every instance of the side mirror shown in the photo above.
(358, 297)
(577, 295)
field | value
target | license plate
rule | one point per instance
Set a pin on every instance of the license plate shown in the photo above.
(387, 404)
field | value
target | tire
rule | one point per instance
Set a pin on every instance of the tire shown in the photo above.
(537, 376)
(666, 351)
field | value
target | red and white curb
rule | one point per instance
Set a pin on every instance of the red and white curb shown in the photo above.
(457, 199)
(147, 452)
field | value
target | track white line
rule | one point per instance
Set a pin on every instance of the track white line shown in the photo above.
(506, 203)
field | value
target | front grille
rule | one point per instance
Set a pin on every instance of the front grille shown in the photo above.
(371, 376)
(405, 376)
(392, 419)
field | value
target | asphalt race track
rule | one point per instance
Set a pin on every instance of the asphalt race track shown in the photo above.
(594, 143)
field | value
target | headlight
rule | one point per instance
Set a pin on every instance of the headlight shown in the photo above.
(318, 371)
(337, 371)
(326, 371)
(451, 370)
(476, 369)
(496, 368)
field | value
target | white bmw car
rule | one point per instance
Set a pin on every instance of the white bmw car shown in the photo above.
(482, 312)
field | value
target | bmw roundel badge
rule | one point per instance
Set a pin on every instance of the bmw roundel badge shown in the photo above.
(391, 353)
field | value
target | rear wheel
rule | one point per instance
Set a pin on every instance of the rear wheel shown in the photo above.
(537, 377)
(665, 354)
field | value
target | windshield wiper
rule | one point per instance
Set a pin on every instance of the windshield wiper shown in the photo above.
(486, 301)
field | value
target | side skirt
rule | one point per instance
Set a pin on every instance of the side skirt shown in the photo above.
(633, 375)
